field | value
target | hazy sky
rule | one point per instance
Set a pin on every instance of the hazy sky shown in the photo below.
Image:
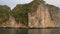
(53, 2)
(13, 3)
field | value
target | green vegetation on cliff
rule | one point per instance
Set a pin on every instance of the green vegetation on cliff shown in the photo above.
(20, 12)
(4, 14)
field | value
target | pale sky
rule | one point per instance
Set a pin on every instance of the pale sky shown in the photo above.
(53, 2)
(13, 3)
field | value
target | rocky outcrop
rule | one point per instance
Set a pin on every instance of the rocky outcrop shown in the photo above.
(43, 16)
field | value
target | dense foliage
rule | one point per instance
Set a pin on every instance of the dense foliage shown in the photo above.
(4, 14)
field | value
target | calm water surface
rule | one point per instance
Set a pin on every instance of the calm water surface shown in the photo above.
(44, 31)
(13, 31)
(29, 31)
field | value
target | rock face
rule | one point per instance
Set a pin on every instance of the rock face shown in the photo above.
(43, 16)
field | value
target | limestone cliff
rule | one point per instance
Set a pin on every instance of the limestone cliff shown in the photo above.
(45, 16)
(35, 14)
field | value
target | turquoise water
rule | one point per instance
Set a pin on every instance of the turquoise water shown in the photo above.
(29, 31)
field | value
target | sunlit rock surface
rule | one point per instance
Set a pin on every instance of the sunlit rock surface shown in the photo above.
(44, 16)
